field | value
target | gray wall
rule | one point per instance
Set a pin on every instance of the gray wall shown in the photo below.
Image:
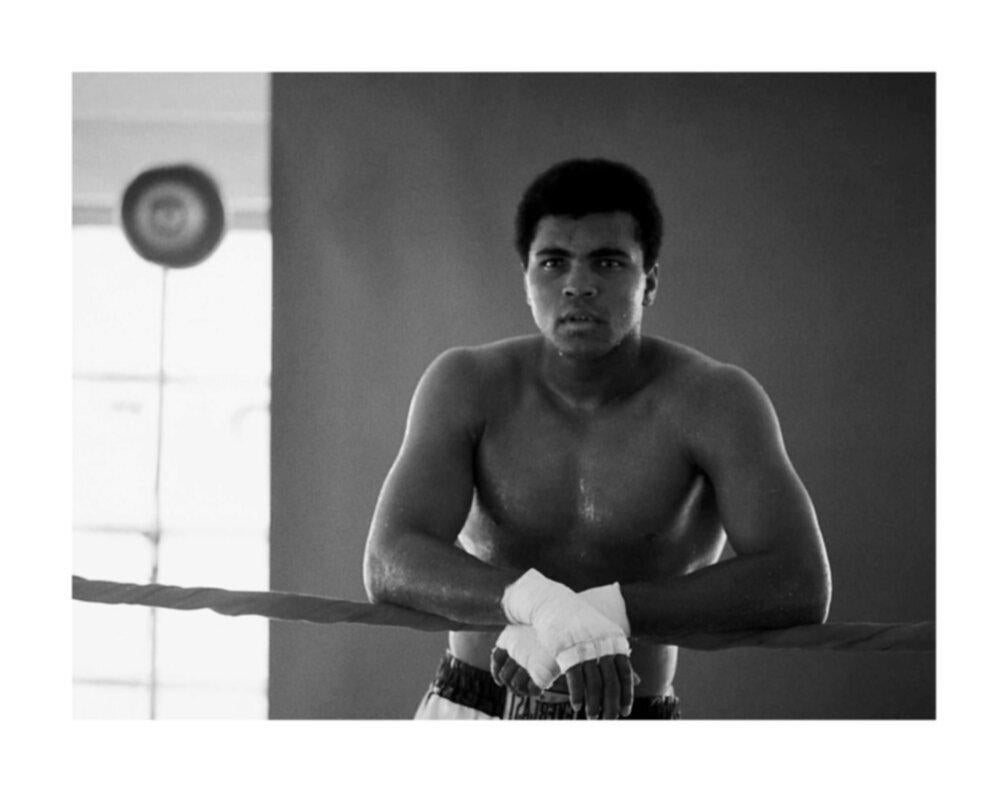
(800, 245)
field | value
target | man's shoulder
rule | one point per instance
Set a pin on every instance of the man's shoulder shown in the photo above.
(703, 382)
(682, 365)
(485, 369)
(483, 360)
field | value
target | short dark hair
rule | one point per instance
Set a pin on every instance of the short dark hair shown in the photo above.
(578, 187)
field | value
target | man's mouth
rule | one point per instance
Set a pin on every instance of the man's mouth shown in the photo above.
(579, 318)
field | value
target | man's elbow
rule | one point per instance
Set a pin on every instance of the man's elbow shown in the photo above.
(375, 576)
(813, 608)
(373, 589)
(812, 593)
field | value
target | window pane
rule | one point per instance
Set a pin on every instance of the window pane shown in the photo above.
(117, 304)
(110, 701)
(111, 642)
(202, 646)
(205, 648)
(199, 703)
(217, 313)
(124, 557)
(114, 453)
(215, 469)
(235, 562)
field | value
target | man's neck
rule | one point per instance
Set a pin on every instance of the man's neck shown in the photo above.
(588, 383)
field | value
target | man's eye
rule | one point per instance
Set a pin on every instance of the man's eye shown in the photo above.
(551, 263)
(611, 263)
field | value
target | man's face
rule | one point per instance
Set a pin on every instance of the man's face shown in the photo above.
(585, 282)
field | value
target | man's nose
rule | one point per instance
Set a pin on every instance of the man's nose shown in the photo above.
(579, 284)
(580, 291)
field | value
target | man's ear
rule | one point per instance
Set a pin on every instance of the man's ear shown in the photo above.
(651, 284)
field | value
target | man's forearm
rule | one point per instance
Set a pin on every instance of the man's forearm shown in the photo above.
(760, 591)
(424, 573)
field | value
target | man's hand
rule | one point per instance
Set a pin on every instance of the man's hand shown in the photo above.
(569, 628)
(598, 671)
(603, 687)
(520, 662)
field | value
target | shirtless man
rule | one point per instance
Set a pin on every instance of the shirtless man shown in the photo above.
(573, 490)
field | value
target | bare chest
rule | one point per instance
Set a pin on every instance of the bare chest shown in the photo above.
(609, 494)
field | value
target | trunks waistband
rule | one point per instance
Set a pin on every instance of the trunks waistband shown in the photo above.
(468, 686)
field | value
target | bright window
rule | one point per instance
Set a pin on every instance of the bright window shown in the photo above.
(171, 473)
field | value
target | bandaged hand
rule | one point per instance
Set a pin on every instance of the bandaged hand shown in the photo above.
(608, 600)
(520, 662)
(570, 630)
(590, 648)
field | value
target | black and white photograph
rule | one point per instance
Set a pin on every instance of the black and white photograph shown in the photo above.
(378, 368)
(476, 396)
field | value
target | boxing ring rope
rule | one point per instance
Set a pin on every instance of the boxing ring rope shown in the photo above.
(858, 636)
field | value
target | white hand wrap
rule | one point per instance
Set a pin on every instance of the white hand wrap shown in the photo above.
(522, 644)
(608, 600)
(568, 628)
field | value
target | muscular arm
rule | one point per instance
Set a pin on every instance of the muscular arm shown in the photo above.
(410, 558)
(780, 575)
